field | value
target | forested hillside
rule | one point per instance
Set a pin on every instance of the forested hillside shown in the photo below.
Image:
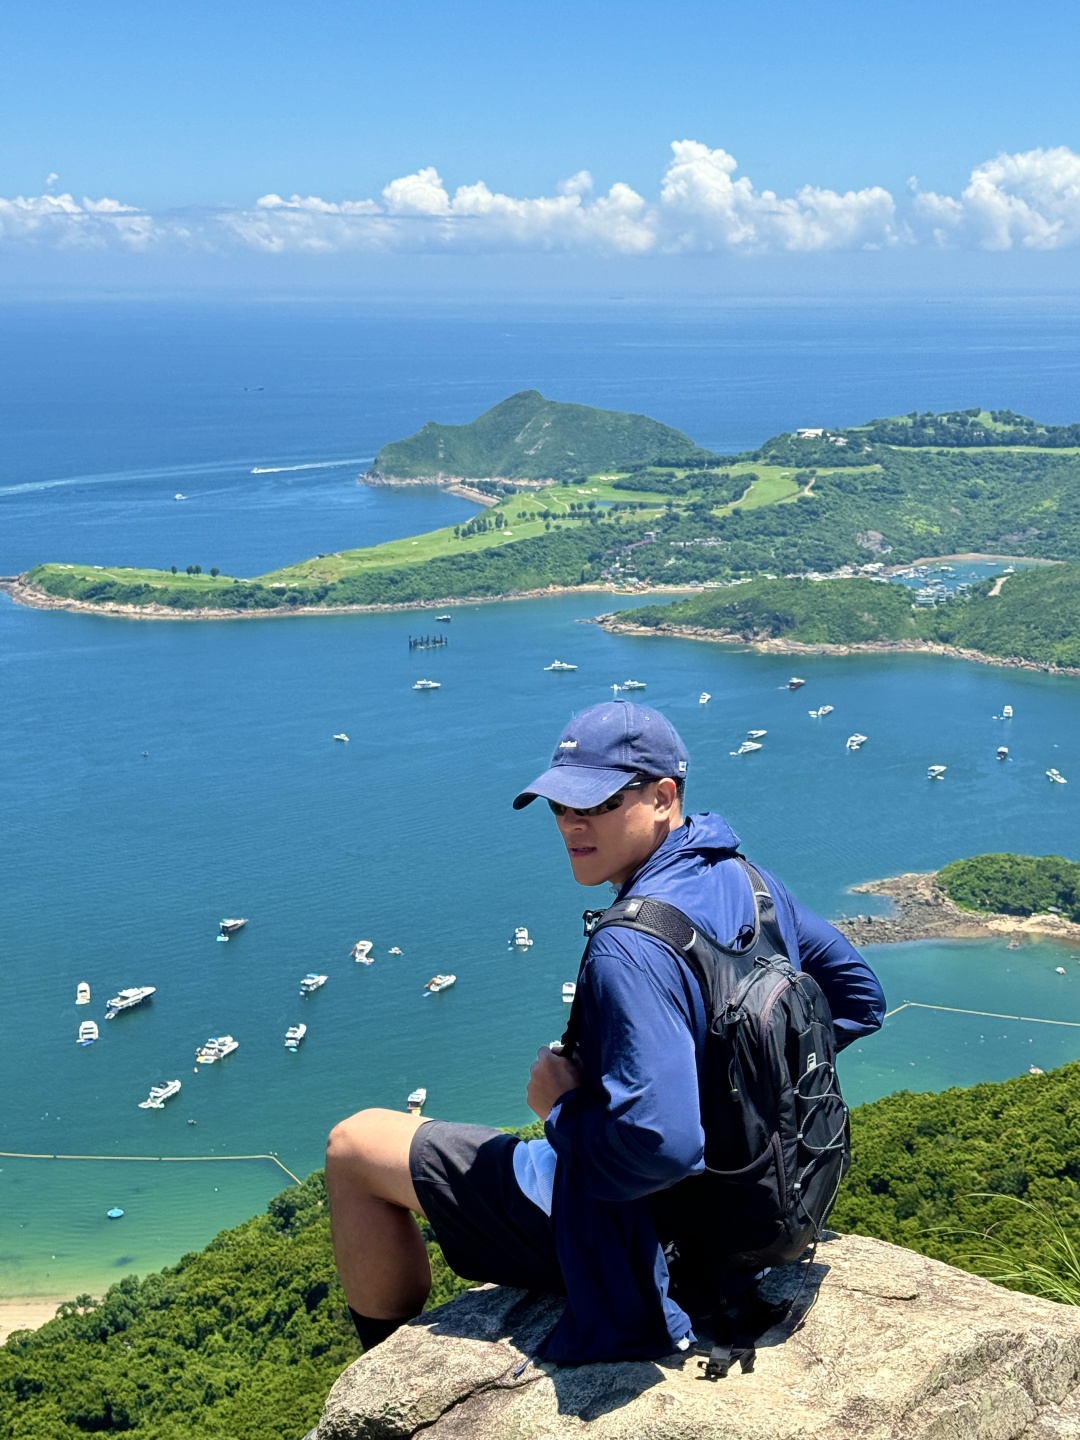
(528, 437)
(1004, 884)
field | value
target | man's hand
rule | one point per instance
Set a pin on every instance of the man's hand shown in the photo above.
(550, 1077)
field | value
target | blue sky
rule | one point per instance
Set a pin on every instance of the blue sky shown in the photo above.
(171, 141)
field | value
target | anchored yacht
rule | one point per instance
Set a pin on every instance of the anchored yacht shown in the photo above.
(312, 982)
(82, 993)
(216, 1048)
(127, 999)
(569, 990)
(756, 734)
(1003, 752)
(704, 698)
(936, 772)
(634, 685)
(229, 927)
(293, 1035)
(416, 1101)
(795, 683)
(88, 1032)
(159, 1094)
(361, 953)
(855, 742)
(747, 746)
(1055, 775)
(560, 665)
(427, 685)
(521, 937)
(342, 737)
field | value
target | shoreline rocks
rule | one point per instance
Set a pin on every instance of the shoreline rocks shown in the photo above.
(922, 911)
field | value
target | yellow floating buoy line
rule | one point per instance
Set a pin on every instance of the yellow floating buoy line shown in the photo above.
(160, 1159)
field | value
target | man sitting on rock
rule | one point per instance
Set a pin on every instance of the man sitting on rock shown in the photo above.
(577, 1213)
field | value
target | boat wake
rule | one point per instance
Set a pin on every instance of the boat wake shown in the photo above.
(314, 465)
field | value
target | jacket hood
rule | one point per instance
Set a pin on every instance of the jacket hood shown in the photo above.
(704, 836)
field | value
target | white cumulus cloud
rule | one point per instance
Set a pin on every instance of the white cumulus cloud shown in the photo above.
(1031, 200)
(702, 204)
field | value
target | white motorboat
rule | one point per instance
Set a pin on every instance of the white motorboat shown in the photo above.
(1056, 776)
(342, 737)
(394, 950)
(159, 1094)
(824, 710)
(569, 990)
(216, 1048)
(88, 1032)
(704, 698)
(795, 683)
(560, 665)
(439, 982)
(128, 999)
(634, 685)
(444, 619)
(361, 953)
(427, 685)
(756, 734)
(230, 926)
(1003, 752)
(855, 742)
(936, 772)
(179, 496)
(293, 1035)
(312, 982)
(82, 993)
(416, 1101)
(1059, 970)
(747, 747)
(521, 937)
(1006, 712)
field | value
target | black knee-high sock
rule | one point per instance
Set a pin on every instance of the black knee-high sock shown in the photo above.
(374, 1332)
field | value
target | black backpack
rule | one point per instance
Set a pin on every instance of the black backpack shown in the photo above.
(776, 1126)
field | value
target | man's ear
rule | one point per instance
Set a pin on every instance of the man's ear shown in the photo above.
(667, 794)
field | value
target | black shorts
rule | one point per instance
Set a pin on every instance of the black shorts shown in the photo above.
(488, 1228)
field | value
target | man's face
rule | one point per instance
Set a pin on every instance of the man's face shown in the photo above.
(613, 845)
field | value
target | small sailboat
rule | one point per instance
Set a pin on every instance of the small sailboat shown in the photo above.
(88, 1032)
(82, 993)
(936, 772)
(569, 990)
(361, 953)
(439, 982)
(416, 1101)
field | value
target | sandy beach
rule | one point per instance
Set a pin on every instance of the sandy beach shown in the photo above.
(922, 911)
(27, 1313)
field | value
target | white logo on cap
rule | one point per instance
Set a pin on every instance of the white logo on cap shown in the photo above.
(567, 744)
(682, 767)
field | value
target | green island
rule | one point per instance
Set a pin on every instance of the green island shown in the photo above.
(1014, 884)
(1033, 616)
(247, 1336)
(576, 496)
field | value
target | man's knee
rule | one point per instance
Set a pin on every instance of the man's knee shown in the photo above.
(371, 1150)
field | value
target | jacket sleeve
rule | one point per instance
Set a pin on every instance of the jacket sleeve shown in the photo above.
(634, 1126)
(852, 989)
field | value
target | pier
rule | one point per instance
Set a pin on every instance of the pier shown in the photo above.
(427, 642)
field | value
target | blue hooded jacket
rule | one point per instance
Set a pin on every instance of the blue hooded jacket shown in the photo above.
(633, 1127)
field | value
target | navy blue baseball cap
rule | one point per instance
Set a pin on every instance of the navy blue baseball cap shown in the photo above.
(602, 749)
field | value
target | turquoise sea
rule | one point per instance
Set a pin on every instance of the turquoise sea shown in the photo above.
(116, 866)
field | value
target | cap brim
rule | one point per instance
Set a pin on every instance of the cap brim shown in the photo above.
(579, 786)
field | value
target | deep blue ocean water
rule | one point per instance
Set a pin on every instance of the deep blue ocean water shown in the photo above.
(116, 867)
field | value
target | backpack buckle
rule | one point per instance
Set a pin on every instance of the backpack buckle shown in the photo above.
(591, 919)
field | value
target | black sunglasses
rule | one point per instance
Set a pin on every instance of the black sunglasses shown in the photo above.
(606, 806)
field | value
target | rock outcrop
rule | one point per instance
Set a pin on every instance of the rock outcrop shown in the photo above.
(893, 1345)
